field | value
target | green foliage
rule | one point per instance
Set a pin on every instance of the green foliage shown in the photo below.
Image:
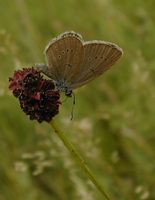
(113, 124)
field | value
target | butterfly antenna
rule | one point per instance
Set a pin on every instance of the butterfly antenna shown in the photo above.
(72, 111)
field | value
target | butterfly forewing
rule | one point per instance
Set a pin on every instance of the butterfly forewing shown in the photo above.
(98, 57)
(64, 56)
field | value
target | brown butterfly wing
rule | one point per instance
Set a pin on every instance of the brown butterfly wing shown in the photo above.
(99, 56)
(64, 56)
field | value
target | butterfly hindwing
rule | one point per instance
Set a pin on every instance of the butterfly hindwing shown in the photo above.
(99, 56)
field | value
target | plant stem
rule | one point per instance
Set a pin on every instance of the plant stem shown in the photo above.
(79, 159)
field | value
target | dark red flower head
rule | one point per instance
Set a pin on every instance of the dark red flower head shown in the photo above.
(37, 96)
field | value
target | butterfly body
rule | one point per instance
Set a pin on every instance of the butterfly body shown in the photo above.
(72, 62)
(62, 86)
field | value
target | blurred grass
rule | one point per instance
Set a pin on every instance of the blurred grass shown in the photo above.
(113, 125)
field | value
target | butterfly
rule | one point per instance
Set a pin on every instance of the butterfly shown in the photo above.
(73, 62)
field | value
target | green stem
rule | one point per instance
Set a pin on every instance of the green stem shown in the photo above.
(79, 159)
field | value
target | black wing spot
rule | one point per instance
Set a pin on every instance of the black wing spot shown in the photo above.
(63, 52)
(59, 56)
(89, 58)
(101, 57)
(95, 57)
(67, 50)
(92, 70)
(71, 50)
(69, 65)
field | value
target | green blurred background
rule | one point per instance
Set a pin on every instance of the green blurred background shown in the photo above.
(113, 126)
